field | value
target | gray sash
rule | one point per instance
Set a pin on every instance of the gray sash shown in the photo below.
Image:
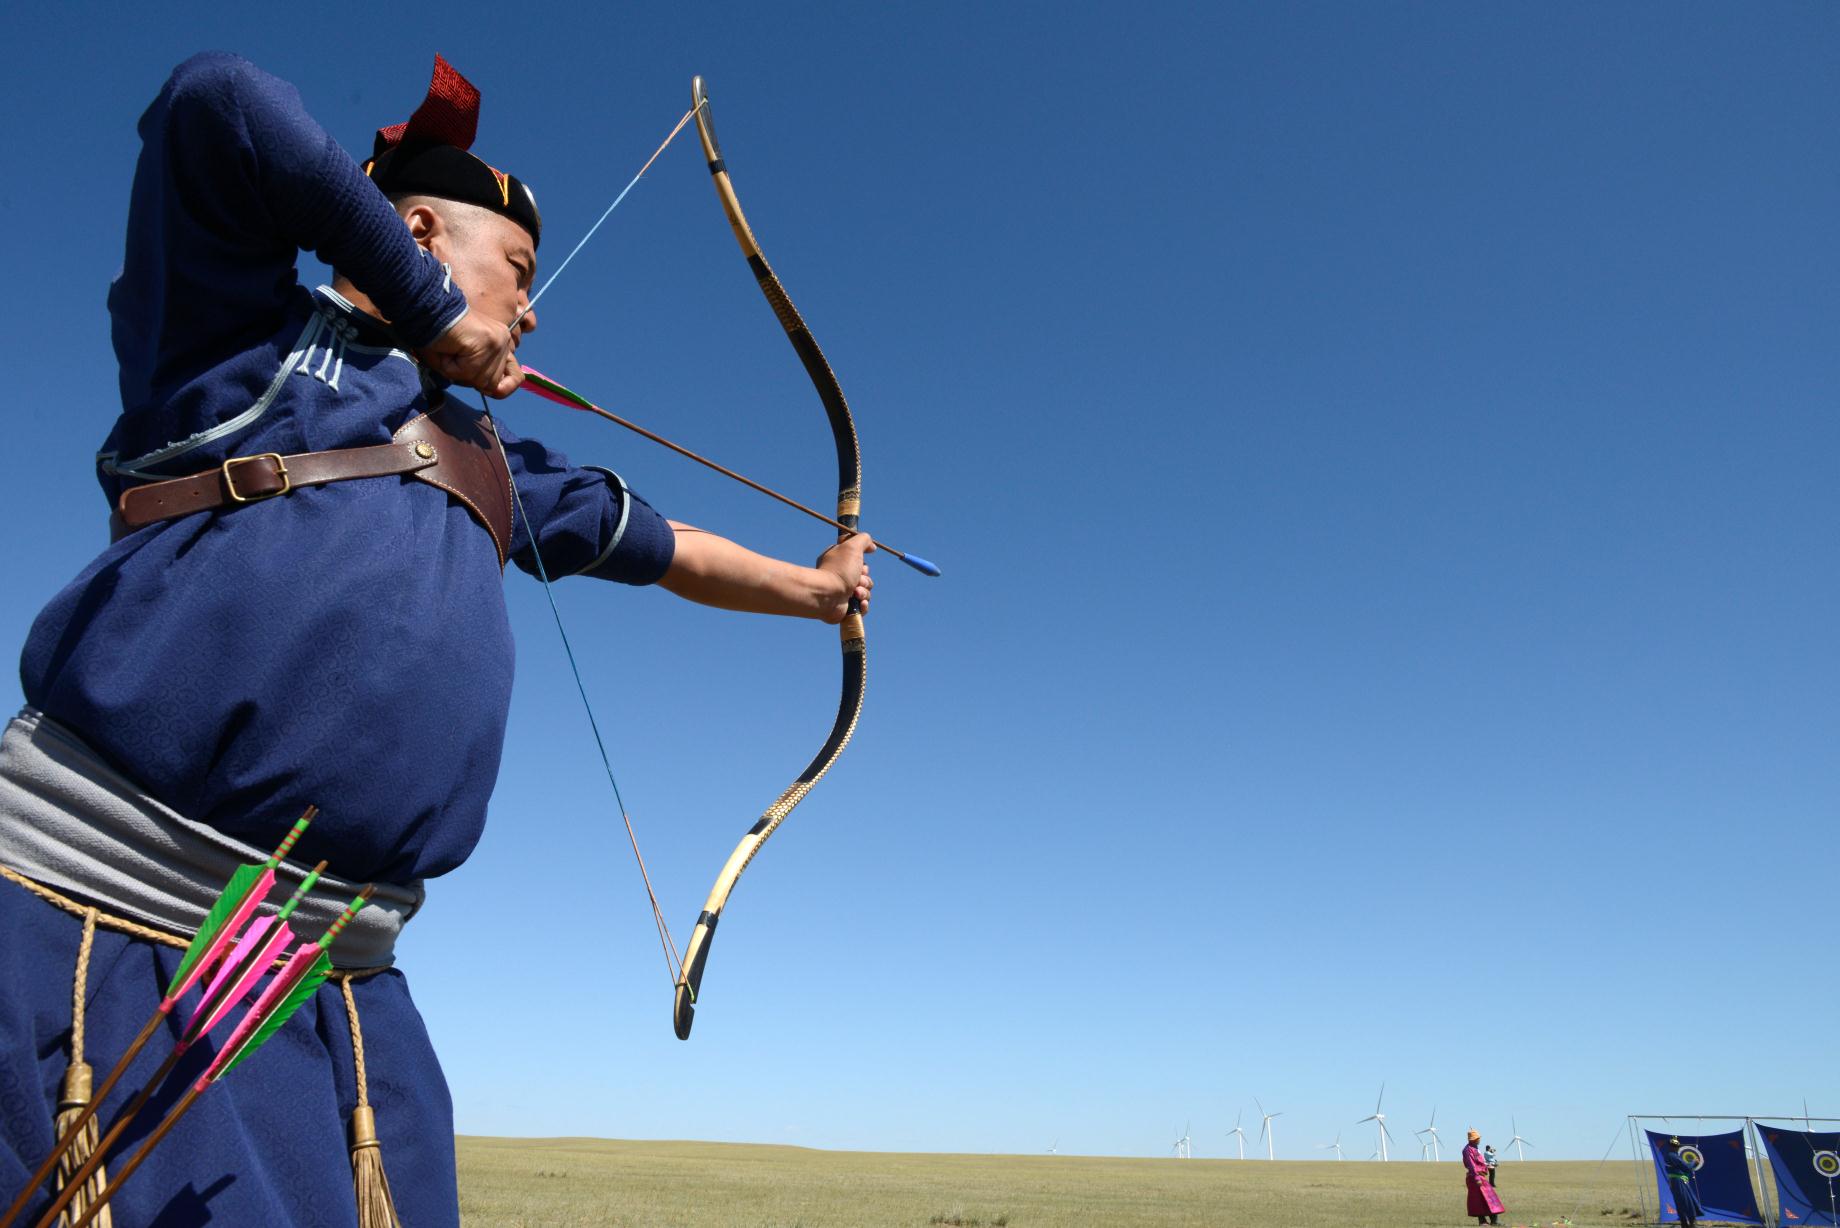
(73, 823)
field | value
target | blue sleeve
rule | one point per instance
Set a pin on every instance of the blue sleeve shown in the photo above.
(234, 179)
(589, 521)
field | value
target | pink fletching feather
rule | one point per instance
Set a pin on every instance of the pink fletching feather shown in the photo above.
(250, 940)
(266, 941)
(545, 393)
(292, 973)
(221, 944)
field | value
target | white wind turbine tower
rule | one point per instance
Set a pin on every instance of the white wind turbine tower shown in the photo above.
(1237, 1133)
(1379, 1120)
(1430, 1149)
(1266, 1133)
(1054, 1146)
(1517, 1142)
(1336, 1146)
(1182, 1148)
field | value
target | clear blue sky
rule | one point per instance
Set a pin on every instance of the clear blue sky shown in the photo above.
(1383, 459)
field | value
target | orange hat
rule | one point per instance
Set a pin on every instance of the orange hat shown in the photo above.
(1474, 1137)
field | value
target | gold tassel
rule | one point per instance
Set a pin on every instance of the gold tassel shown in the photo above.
(76, 1093)
(376, 1206)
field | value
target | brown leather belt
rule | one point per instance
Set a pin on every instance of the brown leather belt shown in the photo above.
(451, 448)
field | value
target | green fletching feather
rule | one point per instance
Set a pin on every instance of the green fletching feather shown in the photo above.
(238, 887)
(569, 394)
(316, 976)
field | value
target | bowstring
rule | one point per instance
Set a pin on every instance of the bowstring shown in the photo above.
(674, 963)
(605, 214)
(672, 960)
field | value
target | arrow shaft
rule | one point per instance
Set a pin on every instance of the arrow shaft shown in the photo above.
(204, 955)
(550, 390)
(71, 1135)
(80, 1180)
(134, 1161)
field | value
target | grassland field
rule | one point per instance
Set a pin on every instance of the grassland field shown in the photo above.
(596, 1183)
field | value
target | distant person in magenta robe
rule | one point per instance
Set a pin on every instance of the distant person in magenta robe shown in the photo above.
(1483, 1204)
(1680, 1184)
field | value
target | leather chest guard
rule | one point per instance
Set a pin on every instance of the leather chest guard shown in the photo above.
(468, 464)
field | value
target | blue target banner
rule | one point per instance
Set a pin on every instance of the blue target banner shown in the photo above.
(1716, 1171)
(1807, 1168)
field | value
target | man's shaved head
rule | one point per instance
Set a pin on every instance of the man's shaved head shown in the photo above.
(491, 256)
(463, 219)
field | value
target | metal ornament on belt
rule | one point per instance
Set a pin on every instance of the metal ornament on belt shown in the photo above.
(849, 507)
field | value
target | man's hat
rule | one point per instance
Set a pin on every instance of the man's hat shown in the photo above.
(428, 155)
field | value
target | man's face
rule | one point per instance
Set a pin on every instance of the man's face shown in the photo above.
(494, 261)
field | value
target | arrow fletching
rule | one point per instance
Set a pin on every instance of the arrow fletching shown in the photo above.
(265, 942)
(547, 388)
(239, 899)
(255, 952)
(241, 896)
(305, 971)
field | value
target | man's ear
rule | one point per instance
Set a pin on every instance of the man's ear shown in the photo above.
(425, 225)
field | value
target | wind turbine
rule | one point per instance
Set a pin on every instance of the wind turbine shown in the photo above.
(1379, 1120)
(1336, 1146)
(1266, 1133)
(1054, 1146)
(1517, 1142)
(1430, 1148)
(1182, 1148)
(1238, 1133)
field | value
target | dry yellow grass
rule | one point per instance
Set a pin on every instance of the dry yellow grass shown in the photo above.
(595, 1183)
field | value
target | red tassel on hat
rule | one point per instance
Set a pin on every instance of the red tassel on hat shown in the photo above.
(448, 116)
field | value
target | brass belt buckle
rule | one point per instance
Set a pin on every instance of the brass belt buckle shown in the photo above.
(281, 468)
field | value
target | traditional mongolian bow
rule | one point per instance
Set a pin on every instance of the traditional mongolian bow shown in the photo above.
(688, 970)
(849, 506)
(215, 939)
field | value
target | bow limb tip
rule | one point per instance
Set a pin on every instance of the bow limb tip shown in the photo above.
(690, 981)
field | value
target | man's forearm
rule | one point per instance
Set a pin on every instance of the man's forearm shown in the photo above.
(711, 570)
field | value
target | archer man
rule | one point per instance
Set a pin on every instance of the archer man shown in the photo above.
(302, 603)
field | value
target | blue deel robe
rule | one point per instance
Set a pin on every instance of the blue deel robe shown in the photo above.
(1680, 1185)
(345, 645)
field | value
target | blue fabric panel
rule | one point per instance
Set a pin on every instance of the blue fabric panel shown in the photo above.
(1722, 1184)
(1804, 1194)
